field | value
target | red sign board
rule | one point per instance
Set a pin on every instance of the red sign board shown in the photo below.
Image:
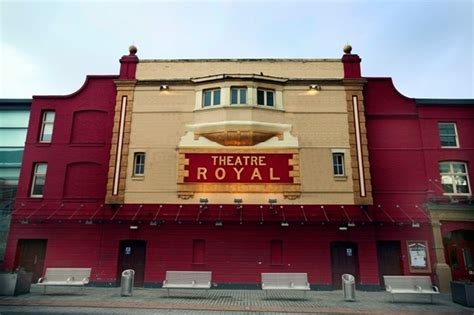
(238, 168)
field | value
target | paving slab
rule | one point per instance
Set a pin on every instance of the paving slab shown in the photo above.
(93, 300)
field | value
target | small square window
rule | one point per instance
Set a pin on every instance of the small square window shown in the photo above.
(211, 97)
(47, 124)
(39, 178)
(448, 135)
(139, 164)
(238, 95)
(338, 164)
(265, 97)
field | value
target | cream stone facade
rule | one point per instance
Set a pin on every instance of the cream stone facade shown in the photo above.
(311, 124)
(194, 68)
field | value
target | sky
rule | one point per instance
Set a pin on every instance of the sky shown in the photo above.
(48, 47)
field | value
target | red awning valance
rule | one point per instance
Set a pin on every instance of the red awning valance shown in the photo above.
(94, 212)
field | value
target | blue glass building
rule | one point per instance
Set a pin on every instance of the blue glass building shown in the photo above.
(14, 117)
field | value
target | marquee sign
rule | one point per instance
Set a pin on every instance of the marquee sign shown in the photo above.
(238, 168)
(238, 171)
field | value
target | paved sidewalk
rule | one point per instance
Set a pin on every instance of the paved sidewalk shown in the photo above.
(155, 301)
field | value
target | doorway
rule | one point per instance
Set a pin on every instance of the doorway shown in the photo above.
(132, 255)
(459, 253)
(344, 259)
(30, 256)
(389, 259)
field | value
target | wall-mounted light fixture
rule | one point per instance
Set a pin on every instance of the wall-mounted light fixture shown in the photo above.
(238, 203)
(351, 224)
(316, 87)
(164, 87)
(203, 204)
(415, 224)
(284, 223)
(272, 201)
(133, 227)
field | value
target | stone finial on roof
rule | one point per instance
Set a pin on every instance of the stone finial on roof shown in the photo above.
(133, 50)
(347, 49)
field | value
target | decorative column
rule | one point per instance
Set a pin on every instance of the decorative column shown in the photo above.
(441, 268)
(359, 155)
(122, 128)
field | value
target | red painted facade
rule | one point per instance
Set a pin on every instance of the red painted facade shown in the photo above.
(405, 152)
(82, 231)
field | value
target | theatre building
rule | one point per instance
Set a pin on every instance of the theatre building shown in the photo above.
(236, 166)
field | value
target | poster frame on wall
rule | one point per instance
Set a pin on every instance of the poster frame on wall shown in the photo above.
(418, 256)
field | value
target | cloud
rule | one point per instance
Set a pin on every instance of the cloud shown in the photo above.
(20, 77)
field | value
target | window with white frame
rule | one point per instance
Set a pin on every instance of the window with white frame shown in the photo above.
(139, 164)
(211, 97)
(454, 178)
(47, 124)
(238, 95)
(39, 177)
(448, 135)
(265, 97)
(338, 164)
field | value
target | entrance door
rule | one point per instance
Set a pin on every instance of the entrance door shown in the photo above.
(132, 256)
(390, 259)
(344, 259)
(459, 253)
(30, 255)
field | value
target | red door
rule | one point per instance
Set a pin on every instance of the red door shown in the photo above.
(459, 253)
(30, 256)
(389, 258)
(344, 259)
(132, 256)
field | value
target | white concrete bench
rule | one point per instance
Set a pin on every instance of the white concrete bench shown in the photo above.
(187, 280)
(410, 285)
(70, 277)
(285, 281)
